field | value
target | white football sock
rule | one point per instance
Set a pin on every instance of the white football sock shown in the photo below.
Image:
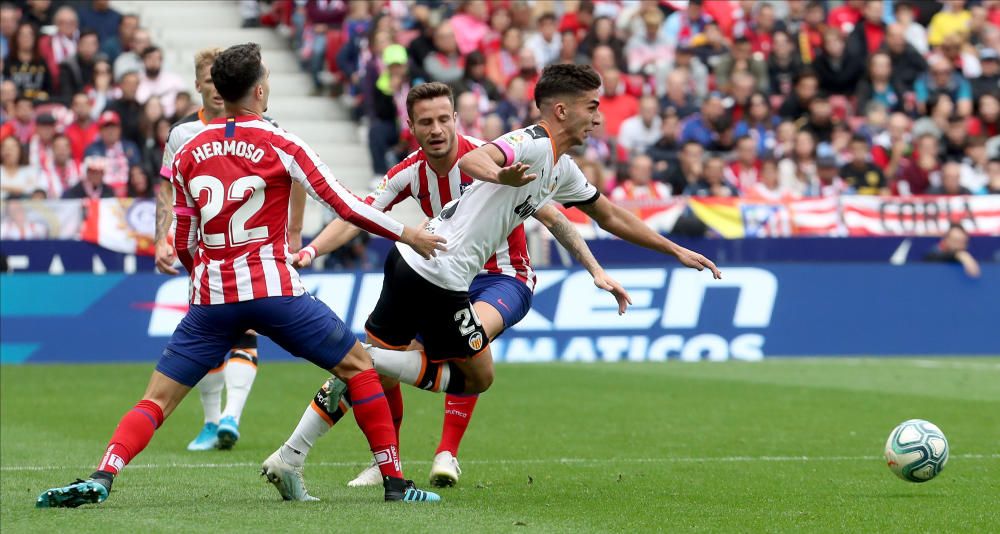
(239, 379)
(405, 366)
(210, 389)
(311, 427)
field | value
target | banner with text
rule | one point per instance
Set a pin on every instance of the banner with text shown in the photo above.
(678, 314)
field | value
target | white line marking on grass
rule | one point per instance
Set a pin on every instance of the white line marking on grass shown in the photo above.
(584, 461)
(939, 364)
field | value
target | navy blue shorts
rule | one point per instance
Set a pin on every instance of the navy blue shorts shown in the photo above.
(509, 296)
(303, 325)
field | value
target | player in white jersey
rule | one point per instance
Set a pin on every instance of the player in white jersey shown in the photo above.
(500, 294)
(238, 371)
(520, 173)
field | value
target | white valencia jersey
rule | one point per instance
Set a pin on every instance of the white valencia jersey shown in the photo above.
(414, 177)
(477, 223)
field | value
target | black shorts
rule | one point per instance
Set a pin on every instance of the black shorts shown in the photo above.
(410, 305)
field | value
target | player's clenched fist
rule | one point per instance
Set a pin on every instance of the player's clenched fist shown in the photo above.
(165, 257)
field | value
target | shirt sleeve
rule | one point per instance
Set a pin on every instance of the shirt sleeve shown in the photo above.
(168, 154)
(304, 166)
(575, 190)
(516, 146)
(394, 187)
(188, 218)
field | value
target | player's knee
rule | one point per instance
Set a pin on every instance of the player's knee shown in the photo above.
(479, 382)
(355, 361)
(388, 382)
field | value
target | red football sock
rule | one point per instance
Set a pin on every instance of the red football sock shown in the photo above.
(457, 413)
(394, 396)
(131, 436)
(372, 413)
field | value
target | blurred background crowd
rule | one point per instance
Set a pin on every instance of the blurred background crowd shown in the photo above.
(769, 100)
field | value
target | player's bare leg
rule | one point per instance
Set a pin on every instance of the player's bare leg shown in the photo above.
(134, 432)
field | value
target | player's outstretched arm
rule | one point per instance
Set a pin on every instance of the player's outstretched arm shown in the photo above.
(165, 254)
(567, 236)
(335, 235)
(624, 224)
(484, 163)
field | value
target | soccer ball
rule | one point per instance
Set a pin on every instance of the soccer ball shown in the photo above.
(916, 450)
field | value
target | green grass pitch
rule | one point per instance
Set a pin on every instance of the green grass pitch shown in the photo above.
(792, 446)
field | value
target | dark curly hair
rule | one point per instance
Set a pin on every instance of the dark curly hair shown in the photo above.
(236, 70)
(565, 79)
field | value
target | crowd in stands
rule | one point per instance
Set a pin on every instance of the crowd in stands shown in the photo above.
(758, 99)
(85, 104)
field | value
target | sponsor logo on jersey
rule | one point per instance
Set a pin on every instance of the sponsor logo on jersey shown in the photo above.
(525, 209)
(476, 341)
(515, 138)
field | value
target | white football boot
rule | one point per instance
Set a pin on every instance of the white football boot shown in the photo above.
(286, 478)
(370, 476)
(445, 470)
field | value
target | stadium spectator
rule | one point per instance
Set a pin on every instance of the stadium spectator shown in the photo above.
(62, 45)
(956, 50)
(861, 175)
(741, 88)
(103, 90)
(986, 122)
(713, 182)
(892, 146)
(638, 184)
(975, 175)
(952, 19)
(40, 145)
(869, 33)
(516, 107)
(389, 85)
(758, 123)
(741, 59)
(641, 130)
(19, 180)
(92, 186)
(810, 36)
(38, 13)
(913, 31)
(698, 74)
(25, 65)
(128, 108)
(22, 124)
(783, 64)
(602, 33)
(646, 50)
(704, 126)
(907, 62)
(678, 96)
(10, 15)
(837, 69)
(8, 95)
(845, 17)
(138, 183)
(130, 60)
(114, 45)
(83, 131)
(951, 181)
(100, 17)
(942, 79)
(954, 248)
(744, 171)
(828, 181)
(798, 168)
(445, 64)
(684, 26)
(469, 117)
(917, 172)
(955, 139)
(768, 188)
(117, 154)
(616, 103)
(471, 25)
(64, 173)
(714, 47)
(77, 71)
(569, 51)
(601, 148)
(183, 106)
(502, 64)
(476, 82)
(689, 168)
(993, 170)
(152, 151)
(666, 149)
(806, 89)
(152, 111)
(988, 83)
(546, 42)
(493, 127)
(819, 121)
(878, 85)
(159, 83)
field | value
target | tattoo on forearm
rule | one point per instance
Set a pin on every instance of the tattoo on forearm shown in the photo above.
(571, 240)
(164, 199)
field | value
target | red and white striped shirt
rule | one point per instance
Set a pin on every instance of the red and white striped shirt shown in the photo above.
(413, 177)
(232, 181)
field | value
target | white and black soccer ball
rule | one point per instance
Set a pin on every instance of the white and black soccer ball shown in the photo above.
(916, 450)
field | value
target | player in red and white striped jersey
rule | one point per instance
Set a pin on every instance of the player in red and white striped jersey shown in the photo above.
(432, 178)
(232, 184)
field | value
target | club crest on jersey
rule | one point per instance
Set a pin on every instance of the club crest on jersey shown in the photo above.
(525, 209)
(476, 341)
